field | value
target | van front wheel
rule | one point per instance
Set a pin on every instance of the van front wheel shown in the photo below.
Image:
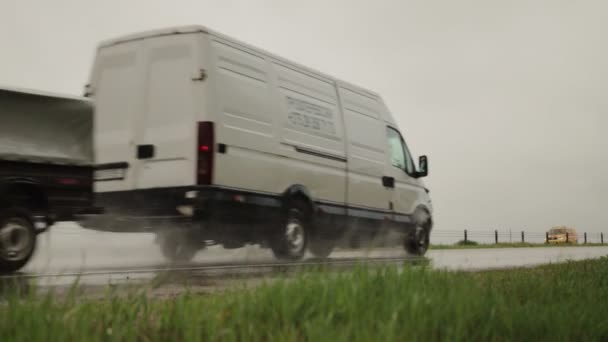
(289, 241)
(417, 241)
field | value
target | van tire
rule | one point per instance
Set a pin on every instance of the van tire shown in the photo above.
(417, 241)
(17, 239)
(176, 245)
(290, 240)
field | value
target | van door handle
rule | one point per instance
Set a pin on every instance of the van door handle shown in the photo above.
(388, 182)
(145, 151)
(202, 75)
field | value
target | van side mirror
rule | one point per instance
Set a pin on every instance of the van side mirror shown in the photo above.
(423, 167)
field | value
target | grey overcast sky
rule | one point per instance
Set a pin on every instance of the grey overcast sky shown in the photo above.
(508, 98)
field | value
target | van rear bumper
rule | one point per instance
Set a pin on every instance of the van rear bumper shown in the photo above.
(149, 210)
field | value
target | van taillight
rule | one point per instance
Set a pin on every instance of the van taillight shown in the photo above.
(206, 140)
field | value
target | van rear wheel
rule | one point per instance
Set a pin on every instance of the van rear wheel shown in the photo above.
(177, 245)
(17, 239)
(290, 240)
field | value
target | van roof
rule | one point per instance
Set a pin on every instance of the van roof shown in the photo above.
(386, 114)
(155, 33)
(202, 29)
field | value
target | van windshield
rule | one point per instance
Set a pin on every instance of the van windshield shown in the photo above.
(557, 231)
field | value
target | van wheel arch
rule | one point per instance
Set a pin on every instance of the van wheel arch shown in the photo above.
(299, 193)
(428, 217)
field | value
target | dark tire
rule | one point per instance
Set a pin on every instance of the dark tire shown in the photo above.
(290, 240)
(17, 239)
(320, 246)
(177, 245)
(417, 241)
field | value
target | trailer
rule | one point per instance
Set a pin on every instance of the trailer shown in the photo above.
(46, 168)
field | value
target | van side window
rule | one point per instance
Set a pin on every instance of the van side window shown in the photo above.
(395, 149)
(398, 152)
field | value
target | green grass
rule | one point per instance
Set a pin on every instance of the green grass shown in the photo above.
(558, 302)
(510, 245)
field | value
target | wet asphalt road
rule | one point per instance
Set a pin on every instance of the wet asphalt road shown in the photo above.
(68, 248)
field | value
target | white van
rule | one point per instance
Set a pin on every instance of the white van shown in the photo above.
(225, 143)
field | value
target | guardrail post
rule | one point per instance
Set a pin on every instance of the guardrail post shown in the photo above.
(585, 234)
(496, 236)
(523, 239)
(567, 238)
(602, 238)
(466, 237)
(547, 237)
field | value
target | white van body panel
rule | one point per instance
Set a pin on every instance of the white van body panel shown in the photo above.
(240, 90)
(258, 113)
(283, 124)
(367, 150)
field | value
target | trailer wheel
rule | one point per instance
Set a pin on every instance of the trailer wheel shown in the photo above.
(290, 239)
(177, 246)
(17, 239)
(417, 241)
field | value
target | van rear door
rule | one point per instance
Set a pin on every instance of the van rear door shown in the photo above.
(117, 87)
(166, 142)
(145, 113)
